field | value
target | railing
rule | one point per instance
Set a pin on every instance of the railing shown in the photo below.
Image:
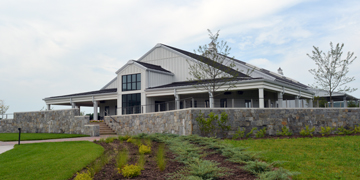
(6, 116)
(204, 103)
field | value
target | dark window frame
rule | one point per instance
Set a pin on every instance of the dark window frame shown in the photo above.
(131, 82)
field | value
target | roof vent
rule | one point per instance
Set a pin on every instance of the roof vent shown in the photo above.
(280, 71)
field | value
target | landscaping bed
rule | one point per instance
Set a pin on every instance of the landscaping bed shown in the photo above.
(167, 156)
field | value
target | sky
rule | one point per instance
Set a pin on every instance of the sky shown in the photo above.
(52, 48)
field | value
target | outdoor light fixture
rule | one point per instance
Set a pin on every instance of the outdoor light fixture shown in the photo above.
(19, 135)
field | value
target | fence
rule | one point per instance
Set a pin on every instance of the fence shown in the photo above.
(7, 116)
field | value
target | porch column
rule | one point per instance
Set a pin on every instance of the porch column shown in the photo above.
(184, 104)
(269, 103)
(192, 103)
(177, 100)
(261, 97)
(233, 103)
(345, 102)
(251, 105)
(296, 101)
(280, 99)
(95, 110)
(73, 105)
(211, 100)
(48, 107)
(311, 103)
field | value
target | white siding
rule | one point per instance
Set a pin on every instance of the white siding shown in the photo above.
(158, 79)
(112, 85)
(169, 61)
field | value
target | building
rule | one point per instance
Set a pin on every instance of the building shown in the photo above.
(158, 81)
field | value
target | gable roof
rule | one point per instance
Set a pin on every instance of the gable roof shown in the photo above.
(208, 61)
(152, 66)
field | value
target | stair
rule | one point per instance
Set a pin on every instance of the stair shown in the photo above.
(105, 129)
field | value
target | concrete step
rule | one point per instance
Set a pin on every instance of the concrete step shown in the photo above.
(105, 129)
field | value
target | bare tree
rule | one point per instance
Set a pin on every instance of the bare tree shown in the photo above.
(214, 70)
(331, 71)
(3, 108)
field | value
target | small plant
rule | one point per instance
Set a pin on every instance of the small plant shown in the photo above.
(261, 133)
(160, 157)
(84, 176)
(129, 171)
(124, 138)
(284, 132)
(102, 140)
(110, 139)
(144, 149)
(239, 133)
(251, 132)
(141, 161)
(356, 129)
(307, 131)
(122, 158)
(343, 131)
(206, 126)
(326, 130)
(147, 142)
(257, 167)
(278, 174)
(222, 124)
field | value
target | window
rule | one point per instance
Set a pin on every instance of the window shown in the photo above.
(131, 82)
(131, 103)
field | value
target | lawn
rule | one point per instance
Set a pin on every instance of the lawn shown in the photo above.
(55, 160)
(36, 136)
(315, 158)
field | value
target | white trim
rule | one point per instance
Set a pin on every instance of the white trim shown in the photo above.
(109, 83)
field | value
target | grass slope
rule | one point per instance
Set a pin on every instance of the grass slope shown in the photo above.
(36, 136)
(55, 160)
(316, 158)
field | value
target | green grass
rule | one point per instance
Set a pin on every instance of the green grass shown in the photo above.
(36, 136)
(315, 158)
(55, 160)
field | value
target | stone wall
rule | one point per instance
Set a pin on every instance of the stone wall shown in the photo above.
(54, 121)
(183, 122)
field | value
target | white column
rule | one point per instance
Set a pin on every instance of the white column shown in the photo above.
(184, 104)
(95, 110)
(311, 103)
(269, 103)
(261, 97)
(192, 103)
(345, 102)
(296, 101)
(280, 99)
(48, 107)
(251, 103)
(233, 103)
(177, 100)
(211, 100)
(73, 105)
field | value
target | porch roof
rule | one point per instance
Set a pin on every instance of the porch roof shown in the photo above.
(102, 91)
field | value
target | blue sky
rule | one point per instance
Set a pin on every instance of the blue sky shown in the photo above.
(50, 48)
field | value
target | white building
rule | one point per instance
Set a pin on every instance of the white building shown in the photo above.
(158, 81)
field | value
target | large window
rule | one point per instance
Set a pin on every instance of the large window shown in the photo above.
(131, 82)
(131, 103)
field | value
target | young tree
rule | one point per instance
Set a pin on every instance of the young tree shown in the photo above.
(3, 108)
(214, 70)
(331, 70)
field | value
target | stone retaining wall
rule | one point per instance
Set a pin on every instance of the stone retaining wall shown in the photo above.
(183, 122)
(54, 121)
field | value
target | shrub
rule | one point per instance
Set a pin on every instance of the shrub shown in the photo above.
(83, 176)
(239, 133)
(144, 149)
(343, 131)
(122, 158)
(284, 132)
(357, 129)
(261, 133)
(124, 138)
(307, 131)
(160, 157)
(251, 132)
(129, 171)
(206, 126)
(326, 130)
(110, 139)
(278, 174)
(257, 167)
(147, 142)
(222, 124)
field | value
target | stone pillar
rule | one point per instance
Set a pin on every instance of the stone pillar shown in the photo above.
(211, 100)
(95, 110)
(296, 101)
(261, 97)
(48, 107)
(345, 102)
(280, 99)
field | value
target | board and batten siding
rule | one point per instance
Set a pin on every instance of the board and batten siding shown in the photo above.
(112, 85)
(158, 79)
(170, 61)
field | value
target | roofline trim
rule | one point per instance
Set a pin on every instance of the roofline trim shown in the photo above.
(109, 83)
(68, 97)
